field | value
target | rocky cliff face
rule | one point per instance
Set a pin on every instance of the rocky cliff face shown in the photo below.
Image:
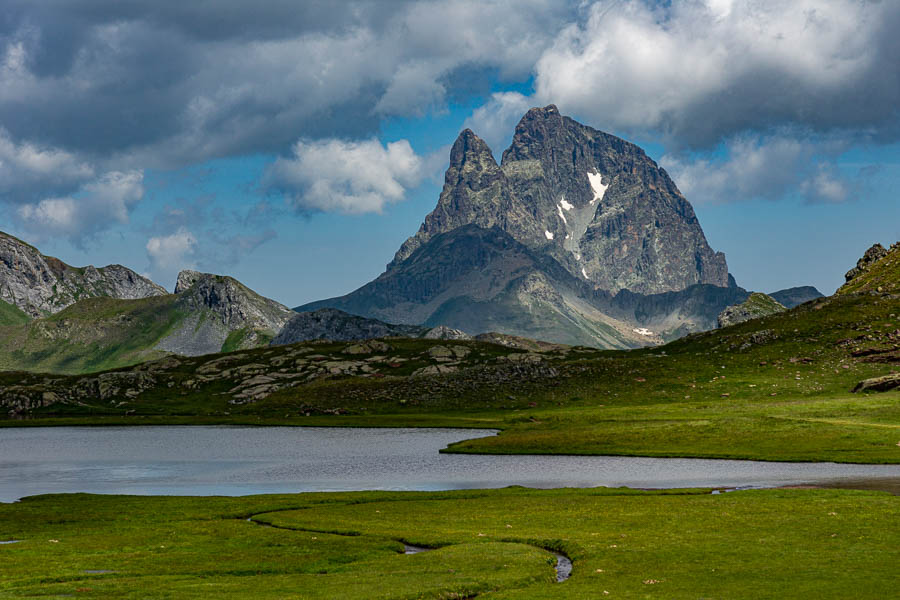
(222, 314)
(41, 285)
(595, 203)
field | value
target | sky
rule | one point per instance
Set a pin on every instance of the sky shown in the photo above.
(296, 145)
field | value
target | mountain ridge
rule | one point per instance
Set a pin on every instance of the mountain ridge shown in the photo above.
(41, 285)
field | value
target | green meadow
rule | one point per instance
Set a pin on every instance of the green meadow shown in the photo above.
(490, 543)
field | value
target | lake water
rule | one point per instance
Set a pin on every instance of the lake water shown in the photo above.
(256, 460)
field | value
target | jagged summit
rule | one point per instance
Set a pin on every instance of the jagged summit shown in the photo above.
(594, 202)
(41, 285)
(477, 192)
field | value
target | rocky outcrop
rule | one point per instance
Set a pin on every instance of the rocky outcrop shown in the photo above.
(442, 332)
(872, 255)
(41, 285)
(885, 383)
(756, 306)
(221, 314)
(337, 325)
(795, 296)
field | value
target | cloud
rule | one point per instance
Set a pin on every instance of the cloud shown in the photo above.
(699, 72)
(753, 167)
(495, 120)
(164, 85)
(346, 177)
(97, 206)
(826, 186)
(27, 169)
(171, 253)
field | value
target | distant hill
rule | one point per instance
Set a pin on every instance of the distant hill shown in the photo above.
(337, 325)
(209, 313)
(796, 296)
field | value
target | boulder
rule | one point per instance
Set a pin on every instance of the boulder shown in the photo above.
(885, 383)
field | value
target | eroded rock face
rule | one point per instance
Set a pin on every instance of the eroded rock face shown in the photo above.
(219, 307)
(41, 285)
(594, 202)
(872, 255)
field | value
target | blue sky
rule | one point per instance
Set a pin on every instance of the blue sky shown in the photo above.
(295, 146)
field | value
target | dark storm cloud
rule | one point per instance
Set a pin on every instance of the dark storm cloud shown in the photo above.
(171, 83)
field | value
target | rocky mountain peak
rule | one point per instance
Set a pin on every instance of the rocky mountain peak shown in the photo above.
(41, 285)
(577, 236)
(469, 148)
(476, 191)
(593, 202)
(186, 280)
(235, 303)
(222, 313)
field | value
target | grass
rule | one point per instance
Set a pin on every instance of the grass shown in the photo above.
(11, 315)
(92, 335)
(631, 544)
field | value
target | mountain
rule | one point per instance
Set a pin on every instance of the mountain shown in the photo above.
(207, 314)
(42, 285)
(796, 296)
(756, 306)
(594, 202)
(336, 325)
(577, 237)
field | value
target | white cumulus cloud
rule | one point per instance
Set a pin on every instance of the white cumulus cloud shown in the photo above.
(351, 177)
(172, 252)
(26, 167)
(752, 167)
(96, 206)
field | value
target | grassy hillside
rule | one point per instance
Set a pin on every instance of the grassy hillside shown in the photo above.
(11, 315)
(776, 388)
(91, 335)
(623, 543)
